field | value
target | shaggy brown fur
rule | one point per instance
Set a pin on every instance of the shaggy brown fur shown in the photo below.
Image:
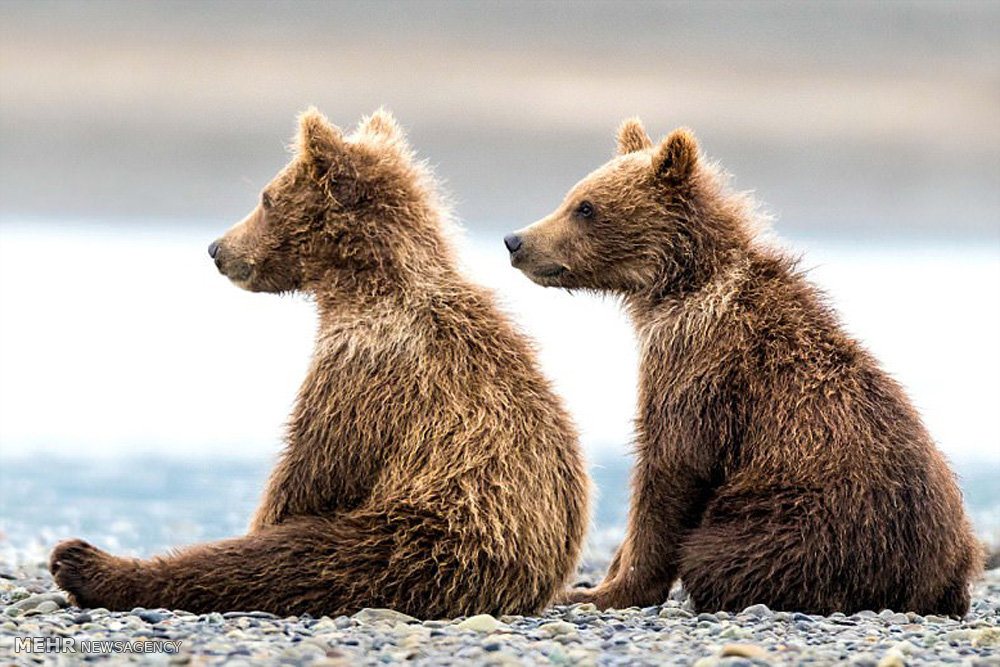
(429, 466)
(776, 462)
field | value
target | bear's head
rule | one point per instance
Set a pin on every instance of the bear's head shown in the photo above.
(346, 211)
(655, 218)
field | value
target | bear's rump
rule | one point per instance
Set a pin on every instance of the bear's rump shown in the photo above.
(802, 548)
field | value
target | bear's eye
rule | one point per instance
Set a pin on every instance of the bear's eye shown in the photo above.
(585, 210)
(265, 199)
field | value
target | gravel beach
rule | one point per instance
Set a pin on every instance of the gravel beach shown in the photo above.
(578, 635)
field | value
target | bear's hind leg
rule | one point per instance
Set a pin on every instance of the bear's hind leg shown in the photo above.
(765, 546)
(954, 601)
(291, 568)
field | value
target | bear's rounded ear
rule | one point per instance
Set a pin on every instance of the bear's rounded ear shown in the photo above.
(382, 126)
(676, 156)
(318, 140)
(632, 137)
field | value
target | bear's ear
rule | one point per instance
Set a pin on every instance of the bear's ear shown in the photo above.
(632, 137)
(382, 126)
(318, 142)
(676, 156)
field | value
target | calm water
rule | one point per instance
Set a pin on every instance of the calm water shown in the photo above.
(147, 504)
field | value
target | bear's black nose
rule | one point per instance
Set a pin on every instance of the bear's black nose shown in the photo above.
(213, 249)
(512, 241)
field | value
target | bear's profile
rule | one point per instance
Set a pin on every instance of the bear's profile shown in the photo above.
(429, 466)
(776, 461)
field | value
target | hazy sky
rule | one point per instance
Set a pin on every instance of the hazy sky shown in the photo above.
(870, 119)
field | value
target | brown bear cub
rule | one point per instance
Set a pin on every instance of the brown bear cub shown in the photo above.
(429, 466)
(776, 461)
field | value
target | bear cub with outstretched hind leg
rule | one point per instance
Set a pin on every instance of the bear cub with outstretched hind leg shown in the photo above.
(429, 466)
(776, 461)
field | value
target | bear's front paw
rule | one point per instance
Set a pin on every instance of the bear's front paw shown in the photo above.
(576, 595)
(603, 596)
(76, 566)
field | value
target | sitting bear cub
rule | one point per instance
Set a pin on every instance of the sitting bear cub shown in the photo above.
(776, 461)
(429, 466)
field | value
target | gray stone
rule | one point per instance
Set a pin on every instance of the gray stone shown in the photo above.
(58, 599)
(390, 616)
(481, 623)
(759, 611)
(46, 607)
(151, 617)
(558, 628)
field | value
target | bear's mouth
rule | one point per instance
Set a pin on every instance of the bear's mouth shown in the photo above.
(551, 271)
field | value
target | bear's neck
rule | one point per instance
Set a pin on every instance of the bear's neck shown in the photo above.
(733, 280)
(369, 290)
(734, 308)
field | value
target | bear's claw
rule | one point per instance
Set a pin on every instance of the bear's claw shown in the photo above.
(73, 564)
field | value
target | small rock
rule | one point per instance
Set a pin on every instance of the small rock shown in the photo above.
(675, 612)
(892, 658)
(46, 607)
(370, 615)
(906, 648)
(751, 651)
(759, 611)
(734, 661)
(932, 618)
(80, 619)
(35, 600)
(897, 619)
(151, 617)
(736, 632)
(480, 623)
(19, 593)
(558, 628)
(986, 637)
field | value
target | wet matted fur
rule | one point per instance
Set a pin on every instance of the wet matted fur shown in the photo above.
(429, 466)
(776, 461)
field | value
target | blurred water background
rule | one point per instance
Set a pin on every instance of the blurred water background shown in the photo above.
(143, 397)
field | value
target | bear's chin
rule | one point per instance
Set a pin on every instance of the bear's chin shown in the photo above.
(548, 276)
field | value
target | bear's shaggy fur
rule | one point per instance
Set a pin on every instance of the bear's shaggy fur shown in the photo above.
(429, 466)
(776, 461)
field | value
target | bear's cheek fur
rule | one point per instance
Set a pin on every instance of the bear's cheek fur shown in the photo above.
(253, 255)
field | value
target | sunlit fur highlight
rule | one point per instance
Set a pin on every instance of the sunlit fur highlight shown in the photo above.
(776, 462)
(429, 466)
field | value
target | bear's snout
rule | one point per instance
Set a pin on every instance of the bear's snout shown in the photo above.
(513, 242)
(230, 264)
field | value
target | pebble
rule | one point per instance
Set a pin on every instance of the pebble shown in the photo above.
(46, 607)
(557, 628)
(578, 635)
(759, 611)
(388, 616)
(151, 617)
(480, 623)
(54, 600)
(751, 651)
